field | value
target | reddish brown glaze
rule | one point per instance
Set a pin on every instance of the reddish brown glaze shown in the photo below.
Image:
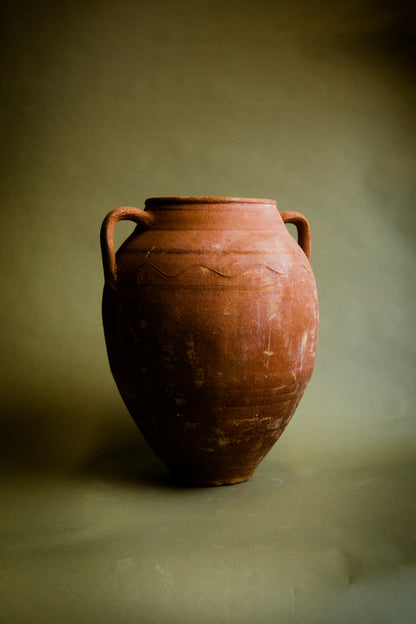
(211, 318)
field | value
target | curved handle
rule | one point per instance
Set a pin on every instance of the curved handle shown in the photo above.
(303, 228)
(107, 241)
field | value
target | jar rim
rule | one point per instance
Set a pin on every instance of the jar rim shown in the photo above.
(189, 199)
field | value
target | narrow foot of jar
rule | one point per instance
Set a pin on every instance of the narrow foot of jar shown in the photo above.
(195, 481)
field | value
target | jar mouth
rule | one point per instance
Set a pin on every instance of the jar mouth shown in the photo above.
(189, 199)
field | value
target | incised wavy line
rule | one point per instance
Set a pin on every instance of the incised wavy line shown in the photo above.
(205, 266)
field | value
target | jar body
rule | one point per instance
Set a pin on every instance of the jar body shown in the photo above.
(211, 333)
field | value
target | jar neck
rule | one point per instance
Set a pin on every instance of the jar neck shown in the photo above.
(214, 213)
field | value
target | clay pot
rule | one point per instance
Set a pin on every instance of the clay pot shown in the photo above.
(211, 317)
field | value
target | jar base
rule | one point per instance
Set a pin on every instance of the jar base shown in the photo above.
(186, 480)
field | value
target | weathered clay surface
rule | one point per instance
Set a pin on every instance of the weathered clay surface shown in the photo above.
(211, 318)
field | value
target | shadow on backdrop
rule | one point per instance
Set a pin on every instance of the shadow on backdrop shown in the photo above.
(57, 438)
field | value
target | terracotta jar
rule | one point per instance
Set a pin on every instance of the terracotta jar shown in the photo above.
(211, 317)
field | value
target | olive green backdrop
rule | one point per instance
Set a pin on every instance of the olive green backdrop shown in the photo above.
(309, 103)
